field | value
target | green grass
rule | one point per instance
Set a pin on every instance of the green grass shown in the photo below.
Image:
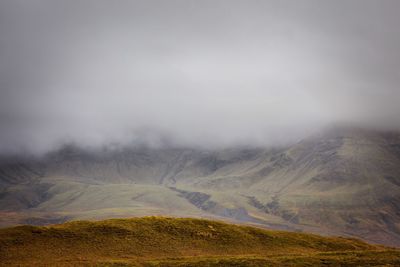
(159, 241)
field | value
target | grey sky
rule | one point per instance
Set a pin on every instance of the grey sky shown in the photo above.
(200, 72)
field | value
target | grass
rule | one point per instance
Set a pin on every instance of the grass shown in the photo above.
(160, 241)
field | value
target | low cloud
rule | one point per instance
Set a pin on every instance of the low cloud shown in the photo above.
(193, 73)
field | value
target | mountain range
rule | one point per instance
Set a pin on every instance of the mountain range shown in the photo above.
(340, 181)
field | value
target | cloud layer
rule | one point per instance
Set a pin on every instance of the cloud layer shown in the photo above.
(208, 73)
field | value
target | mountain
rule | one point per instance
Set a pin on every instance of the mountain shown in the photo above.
(340, 181)
(157, 241)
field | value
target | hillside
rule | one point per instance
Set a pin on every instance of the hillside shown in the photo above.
(158, 241)
(342, 181)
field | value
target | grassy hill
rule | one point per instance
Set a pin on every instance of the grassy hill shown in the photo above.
(159, 241)
(342, 181)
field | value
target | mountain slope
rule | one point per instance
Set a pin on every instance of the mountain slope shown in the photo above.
(156, 241)
(342, 181)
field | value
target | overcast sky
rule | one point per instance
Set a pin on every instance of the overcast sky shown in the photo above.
(197, 72)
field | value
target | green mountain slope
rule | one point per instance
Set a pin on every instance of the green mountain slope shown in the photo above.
(342, 181)
(157, 241)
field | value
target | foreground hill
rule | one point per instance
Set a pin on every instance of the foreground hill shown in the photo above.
(158, 241)
(342, 181)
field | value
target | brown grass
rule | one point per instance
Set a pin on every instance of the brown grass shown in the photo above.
(159, 241)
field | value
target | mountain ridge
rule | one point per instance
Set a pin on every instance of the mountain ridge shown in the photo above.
(342, 181)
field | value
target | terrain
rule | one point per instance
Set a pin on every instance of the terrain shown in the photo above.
(341, 181)
(160, 241)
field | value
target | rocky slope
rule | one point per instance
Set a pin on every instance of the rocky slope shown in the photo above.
(342, 181)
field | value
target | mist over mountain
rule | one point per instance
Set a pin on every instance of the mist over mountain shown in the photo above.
(277, 114)
(208, 74)
(340, 181)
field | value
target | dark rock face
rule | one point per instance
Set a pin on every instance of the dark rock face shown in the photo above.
(200, 200)
(274, 208)
(393, 180)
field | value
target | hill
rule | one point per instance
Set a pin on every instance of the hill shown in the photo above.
(341, 181)
(160, 241)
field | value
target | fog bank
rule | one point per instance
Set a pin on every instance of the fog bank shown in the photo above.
(201, 73)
